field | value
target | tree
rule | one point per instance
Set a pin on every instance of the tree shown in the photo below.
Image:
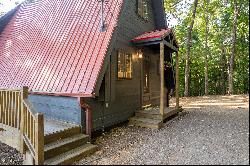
(232, 58)
(206, 46)
(212, 37)
(189, 35)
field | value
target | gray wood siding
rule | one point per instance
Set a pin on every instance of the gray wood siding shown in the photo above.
(131, 25)
(154, 77)
(123, 96)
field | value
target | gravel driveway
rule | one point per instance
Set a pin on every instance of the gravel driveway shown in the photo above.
(210, 130)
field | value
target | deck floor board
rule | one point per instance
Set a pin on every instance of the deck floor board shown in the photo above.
(52, 126)
(10, 135)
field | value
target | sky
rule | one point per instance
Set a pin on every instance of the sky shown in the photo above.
(7, 5)
(182, 7)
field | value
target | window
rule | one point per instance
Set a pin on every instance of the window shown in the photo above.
(142, 9)
(124, 65)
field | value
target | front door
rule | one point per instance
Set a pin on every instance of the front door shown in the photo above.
(146, 81)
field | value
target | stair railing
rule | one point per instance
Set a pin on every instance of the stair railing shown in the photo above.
(10, 107)
(18, 112)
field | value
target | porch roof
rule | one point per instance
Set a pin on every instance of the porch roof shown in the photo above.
(155, 37)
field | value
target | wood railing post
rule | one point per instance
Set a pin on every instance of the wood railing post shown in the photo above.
(88, 121)
(177, 81)
(162, 78)
(39, 141)
(24, 95)
(88, 115)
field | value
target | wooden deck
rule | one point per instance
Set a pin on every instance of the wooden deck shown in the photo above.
(10, 135)
(54, 126)
(63, 142)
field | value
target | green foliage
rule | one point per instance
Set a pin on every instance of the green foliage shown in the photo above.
(220, 14)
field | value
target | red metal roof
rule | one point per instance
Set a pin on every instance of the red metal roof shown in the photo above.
(56, 46)
(153, 35)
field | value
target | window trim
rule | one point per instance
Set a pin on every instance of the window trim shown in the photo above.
(141, 16)
(124, 64)
(146, 62)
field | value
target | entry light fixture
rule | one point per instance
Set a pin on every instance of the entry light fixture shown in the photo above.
(140, 54)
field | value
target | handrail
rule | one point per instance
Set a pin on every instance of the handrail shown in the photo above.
(29, 105)
(12, 89)
(32, 130)
(18, 112)
(10, 107)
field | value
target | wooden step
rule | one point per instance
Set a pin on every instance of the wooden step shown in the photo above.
(171, 113)
(62, 134)
(61, 146)
(142, 114)
(144, 122)
(151, 112)
(72, 155)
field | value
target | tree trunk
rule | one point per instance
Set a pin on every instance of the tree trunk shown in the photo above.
(189, 38)
(206, 45)
(231, 63)
(223, 69)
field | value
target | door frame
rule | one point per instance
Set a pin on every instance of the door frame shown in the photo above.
(143, 94)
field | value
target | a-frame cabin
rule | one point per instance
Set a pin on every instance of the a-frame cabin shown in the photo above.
(91, 63)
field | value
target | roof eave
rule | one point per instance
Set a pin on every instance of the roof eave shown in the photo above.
(63, 94)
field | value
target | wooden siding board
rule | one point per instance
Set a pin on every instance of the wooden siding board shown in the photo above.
(131, 26)
(126, 93)
(159, 14)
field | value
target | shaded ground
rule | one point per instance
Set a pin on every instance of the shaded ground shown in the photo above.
(9, 155)
(211, 130)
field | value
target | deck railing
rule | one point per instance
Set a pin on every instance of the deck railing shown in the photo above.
(10, 107)
(17, 111)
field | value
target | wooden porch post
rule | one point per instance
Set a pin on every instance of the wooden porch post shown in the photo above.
(88, 121)
(39, 142)
(177, 81)
(24, 95)
(162, 78)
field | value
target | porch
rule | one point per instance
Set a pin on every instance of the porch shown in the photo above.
(151, 117)
(164, 43)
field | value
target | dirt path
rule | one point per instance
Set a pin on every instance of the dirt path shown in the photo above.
(211, 130)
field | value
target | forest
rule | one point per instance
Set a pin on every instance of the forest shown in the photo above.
(213, 36)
